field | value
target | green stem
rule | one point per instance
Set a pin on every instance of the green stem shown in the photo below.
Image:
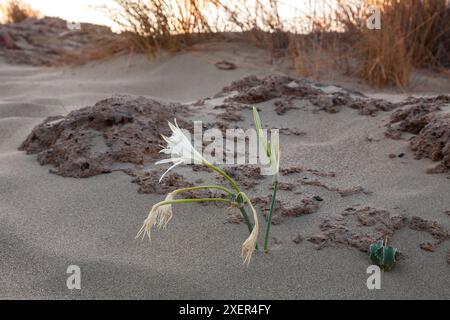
(225, 175)
(164, 203)
(246, 220)
(203, 188)
(236, 187)
(272, 207)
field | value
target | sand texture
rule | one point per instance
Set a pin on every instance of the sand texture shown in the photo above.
(356, 167)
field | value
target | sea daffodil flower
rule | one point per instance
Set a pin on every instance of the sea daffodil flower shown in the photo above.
(270, 149)
(272, 152)
(180, 149)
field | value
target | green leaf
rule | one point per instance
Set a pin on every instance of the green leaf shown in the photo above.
(383, 256)
(376, 252)
(389, 255)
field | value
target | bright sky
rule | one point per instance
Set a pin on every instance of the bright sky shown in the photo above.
(72, 10)
(84, 10)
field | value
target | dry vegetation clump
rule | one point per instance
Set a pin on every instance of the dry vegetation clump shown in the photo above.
(155, 25)
(15, 11)
(322, 39)
(319, 42)
(414, 33)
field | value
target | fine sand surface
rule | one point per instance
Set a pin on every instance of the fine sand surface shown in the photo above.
(48, 222)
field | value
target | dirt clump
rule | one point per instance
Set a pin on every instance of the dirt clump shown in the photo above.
(357, 228)
(292, 132)
(298, 239)
(343, 192)
(371, 107)
(247, 176)
(429, 120)
(90, 141)
(433, 142)
(148, 181)
(437, 231)
(296, 170)
(284, 91)
(282, 211)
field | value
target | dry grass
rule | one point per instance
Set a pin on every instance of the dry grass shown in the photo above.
(414, 33)
(15, 11)
(154, 25)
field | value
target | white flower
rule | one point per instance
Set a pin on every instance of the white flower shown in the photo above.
(180, 149)
(271, 149)
(159, 216)
(275, 152)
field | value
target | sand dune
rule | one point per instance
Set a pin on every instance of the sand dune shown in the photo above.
(48, 222)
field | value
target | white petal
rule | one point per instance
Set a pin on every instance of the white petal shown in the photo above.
(165, 173)
(167, 161)
(172, 127)
(165, 138)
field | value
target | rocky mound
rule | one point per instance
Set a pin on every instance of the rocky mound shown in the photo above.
(429, 120)
(116, 131)
(285, 90)
(46, 41)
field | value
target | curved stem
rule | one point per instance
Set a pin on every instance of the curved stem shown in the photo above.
(225, 175)
(164, 203)
(203, 188)
(269, 222)
(236, 187)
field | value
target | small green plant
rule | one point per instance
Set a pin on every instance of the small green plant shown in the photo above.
(383, 255)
